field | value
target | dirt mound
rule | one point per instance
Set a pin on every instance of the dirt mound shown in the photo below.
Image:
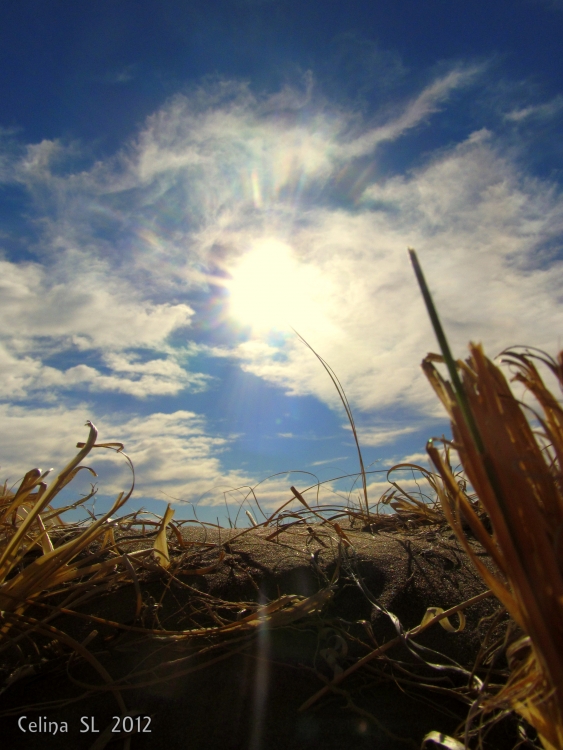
(257, 624)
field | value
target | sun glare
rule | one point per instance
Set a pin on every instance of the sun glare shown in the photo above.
(271, 289)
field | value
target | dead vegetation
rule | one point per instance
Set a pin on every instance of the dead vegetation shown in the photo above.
(508, 499)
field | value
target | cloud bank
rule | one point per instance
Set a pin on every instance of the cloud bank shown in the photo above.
(175, 457)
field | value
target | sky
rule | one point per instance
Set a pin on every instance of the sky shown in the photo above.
(184, 186)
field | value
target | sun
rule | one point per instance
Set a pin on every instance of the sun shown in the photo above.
(270, 288)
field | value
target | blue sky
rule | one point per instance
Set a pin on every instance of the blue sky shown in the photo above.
(180, 183)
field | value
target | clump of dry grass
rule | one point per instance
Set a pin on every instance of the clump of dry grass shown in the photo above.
(516, 473)
(29, 524)
(516, 514)
(43, 560)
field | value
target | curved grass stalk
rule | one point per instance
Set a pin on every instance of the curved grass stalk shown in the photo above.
(348, 410)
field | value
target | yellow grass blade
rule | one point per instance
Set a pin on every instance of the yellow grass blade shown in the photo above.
(160, 546)
(10, 553)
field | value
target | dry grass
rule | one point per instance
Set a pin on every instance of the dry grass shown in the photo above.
(516, 513)
(516, 474)
(45, 560)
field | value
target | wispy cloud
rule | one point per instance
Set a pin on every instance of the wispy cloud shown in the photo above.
(415, 458)
(328, 461)
(119, 76)
(537, 111)
(380, 436)
(484, 232)
(135, 249)
(414, 113)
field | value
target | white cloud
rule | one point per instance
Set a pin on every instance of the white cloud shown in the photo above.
(87, 304)
(19, 374)
(415, 458)
(130, 243)
(328, 461)
(23, 376)
(42, 313)
(175, 458)
(415, 113)
(173, 455)
(372, 436)
(168, 380)
(481, 229)
(537, 111)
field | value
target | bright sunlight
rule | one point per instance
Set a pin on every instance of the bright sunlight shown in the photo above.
(271, 289)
